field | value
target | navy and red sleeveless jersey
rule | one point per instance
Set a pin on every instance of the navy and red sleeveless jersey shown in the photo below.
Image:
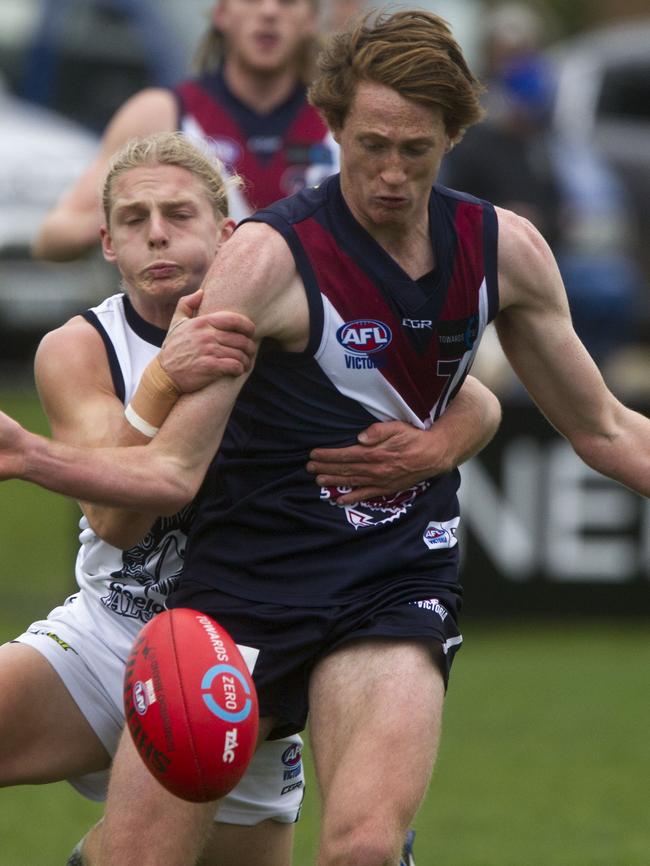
(382, 346)
(277, 154)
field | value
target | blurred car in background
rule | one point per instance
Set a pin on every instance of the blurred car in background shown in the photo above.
(41, 154)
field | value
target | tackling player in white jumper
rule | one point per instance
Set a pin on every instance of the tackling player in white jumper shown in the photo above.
(86, 372)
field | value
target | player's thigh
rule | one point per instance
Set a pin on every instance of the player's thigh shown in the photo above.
(375, 717)
(145, 825)
(269, 843)
(44, 737)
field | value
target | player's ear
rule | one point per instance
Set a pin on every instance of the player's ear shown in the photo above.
(226, 229)
(107, 245)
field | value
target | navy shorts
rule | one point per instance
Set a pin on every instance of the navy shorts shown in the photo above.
(291, 640)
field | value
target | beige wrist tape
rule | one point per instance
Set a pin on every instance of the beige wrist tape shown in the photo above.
(153, 400)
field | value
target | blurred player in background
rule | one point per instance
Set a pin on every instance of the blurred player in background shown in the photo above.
(61, 713)
(249, 101)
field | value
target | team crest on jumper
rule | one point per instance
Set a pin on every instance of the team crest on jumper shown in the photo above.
(364, 341)
(377, 511)
(151, 569)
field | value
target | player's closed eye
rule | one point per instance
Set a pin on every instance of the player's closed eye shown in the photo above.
(416, 150)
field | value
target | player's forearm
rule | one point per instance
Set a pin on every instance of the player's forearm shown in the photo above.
(471, 421)
(134, 478)
(619, 450)
(120, 527)
(65, 236)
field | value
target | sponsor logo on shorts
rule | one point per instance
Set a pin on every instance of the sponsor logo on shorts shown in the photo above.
(438, 536)
(292, 755)
(374, 512)
(63, 644)
(292, 787)
(292, 760)
(432, 604)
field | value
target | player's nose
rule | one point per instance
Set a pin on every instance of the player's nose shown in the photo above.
(158, 232)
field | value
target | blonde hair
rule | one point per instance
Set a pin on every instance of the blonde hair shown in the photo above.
(412, 51)
(212, 50)
(170, 148)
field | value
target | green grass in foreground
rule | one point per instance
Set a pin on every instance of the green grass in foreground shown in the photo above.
(545, 760)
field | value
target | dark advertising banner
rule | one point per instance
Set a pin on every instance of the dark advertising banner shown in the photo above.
(542, 533)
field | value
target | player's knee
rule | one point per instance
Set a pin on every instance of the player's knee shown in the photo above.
(363, 845)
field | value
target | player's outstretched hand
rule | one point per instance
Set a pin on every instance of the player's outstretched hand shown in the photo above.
(391, 456)
(200, 348)
(12, 452)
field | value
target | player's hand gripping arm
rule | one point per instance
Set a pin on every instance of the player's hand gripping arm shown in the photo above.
(77, 392)
(71, 228)
(393, 456)
(254, 274)
(535, 329)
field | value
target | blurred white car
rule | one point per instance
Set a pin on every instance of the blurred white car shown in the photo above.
(41, 154)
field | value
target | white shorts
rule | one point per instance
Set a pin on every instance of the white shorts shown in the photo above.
(88, 646)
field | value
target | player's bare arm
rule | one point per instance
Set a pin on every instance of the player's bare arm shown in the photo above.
(393, 456)
(77, 392)
(200, 348)
(255, 274)
(71, 228)
(534, 326)
(78, 397)
(166, 474)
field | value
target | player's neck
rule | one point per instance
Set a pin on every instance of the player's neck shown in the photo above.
(262, 91)
(153, 311)
(408, 244)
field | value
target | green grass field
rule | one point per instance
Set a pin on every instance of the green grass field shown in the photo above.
(545, 758)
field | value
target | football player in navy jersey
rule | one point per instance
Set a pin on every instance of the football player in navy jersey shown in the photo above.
(248, 100)
(369, 296)
(126, 565)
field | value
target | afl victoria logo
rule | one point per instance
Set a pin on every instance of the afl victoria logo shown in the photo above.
(292, 755)
(364, 336)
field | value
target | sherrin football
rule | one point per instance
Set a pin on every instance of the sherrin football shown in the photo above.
(190, 705)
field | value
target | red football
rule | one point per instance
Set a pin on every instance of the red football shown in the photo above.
(191, 705)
